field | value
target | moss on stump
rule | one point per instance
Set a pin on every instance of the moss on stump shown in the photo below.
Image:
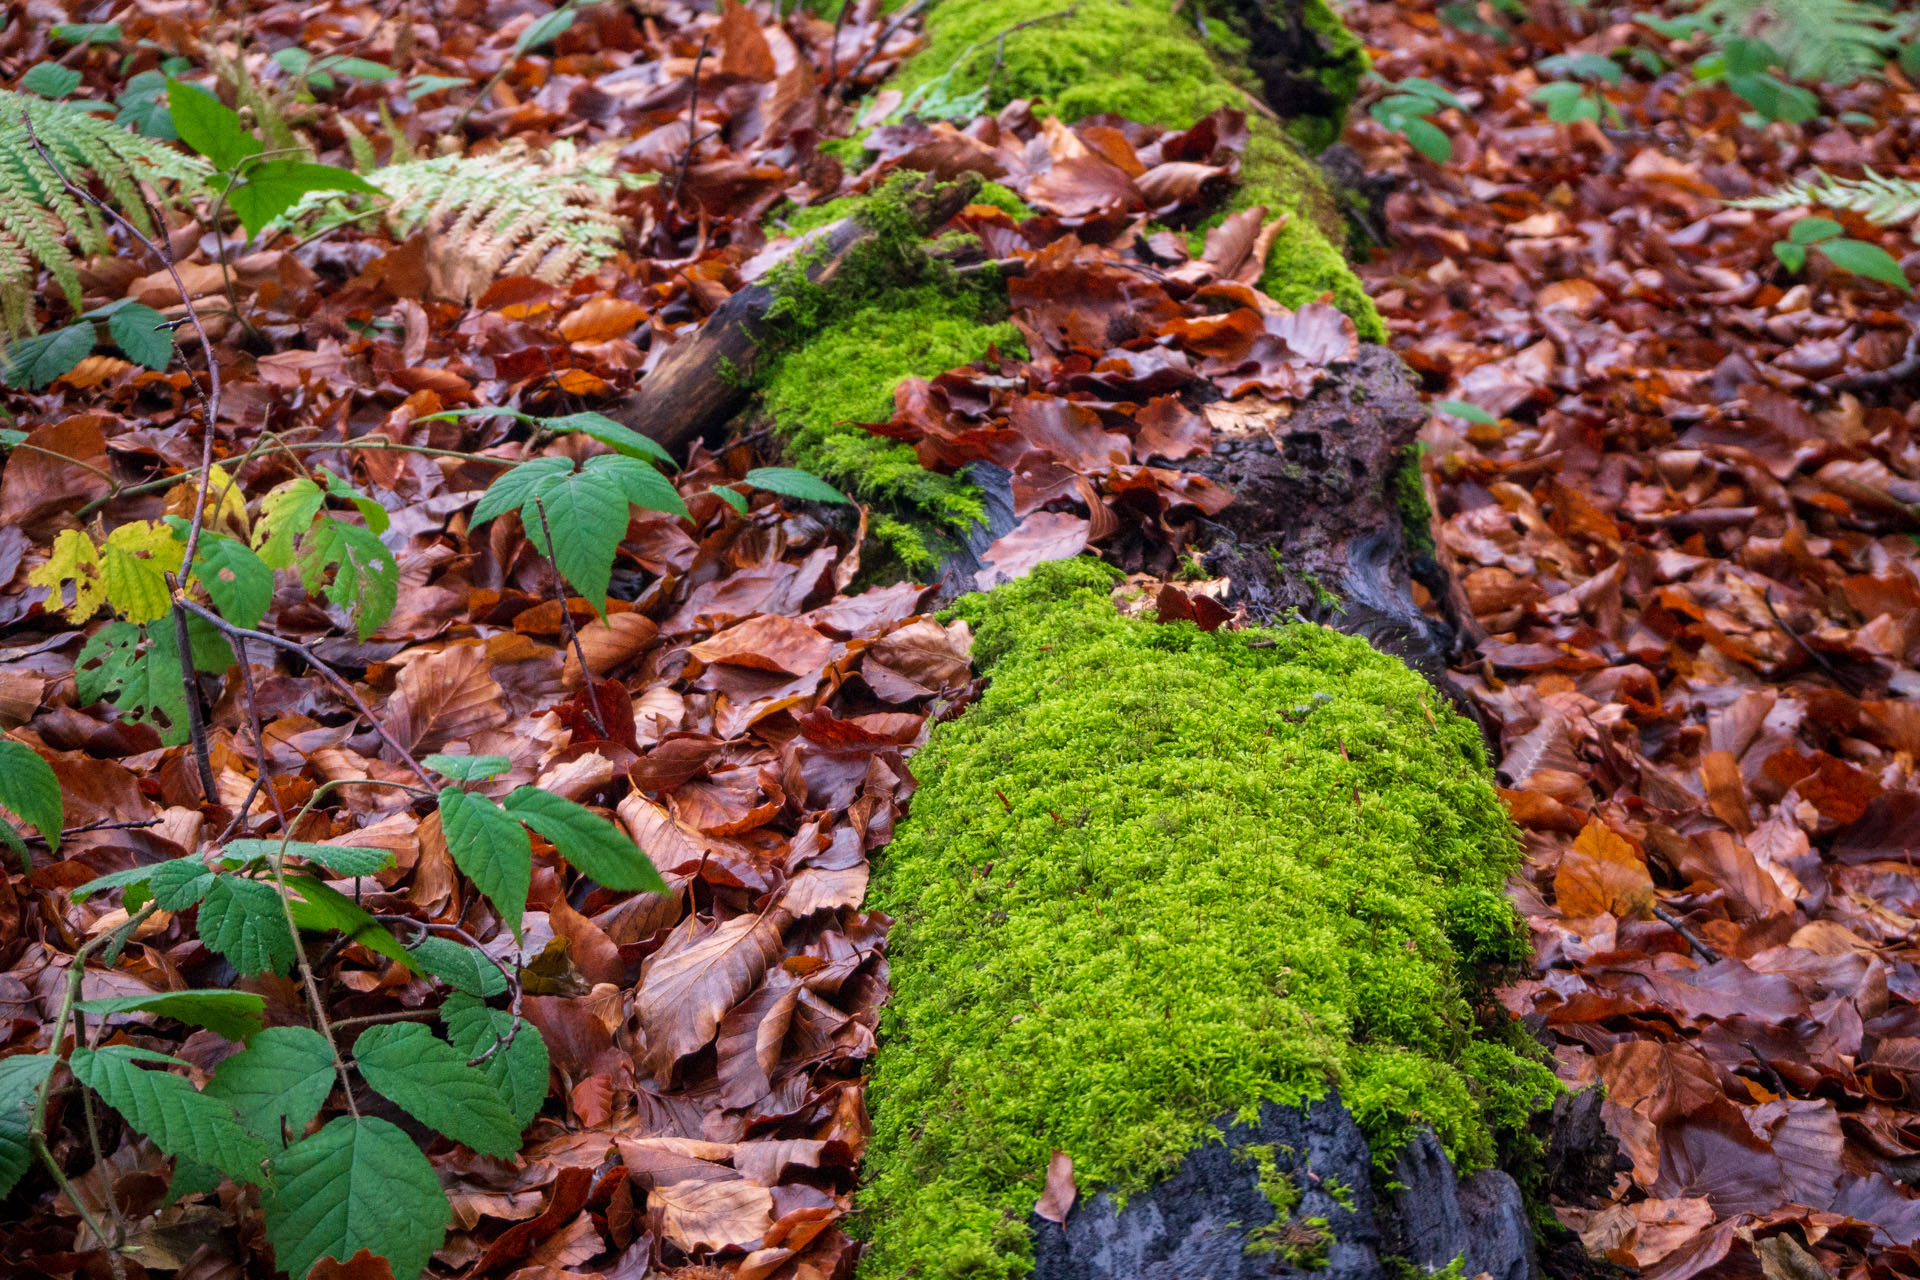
(1144, 60)
(1156, 876)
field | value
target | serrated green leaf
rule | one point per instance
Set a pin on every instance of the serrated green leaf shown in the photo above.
(140, 671)
(1792, 256)
(238, 581)
(790, 483)
(321, 907)
(181, 883)
(457, 965)
(643, 484)
(50, 80)
(286, 513)
(35, 361)
(512, 488)
(284, 1074)
(587, 840)
(209, 126)
(273, 187)
(142, 335)
(610, 433)
(467, 768)
(233, 1014)
(29, 787)
(370, 511)
(359, 1183)
(165, 1107)
(491, 848)
(342, 860)
(143, 107)
(366, 577)
(20, 1078)
(586, 511)
(519, 1071)
(1865, 259)
(121, 879)
(10, 837)
(421, 1073)
(243, 920)
(731, 497)
(190, 1178)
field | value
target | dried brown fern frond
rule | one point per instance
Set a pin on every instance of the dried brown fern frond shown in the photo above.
(514, 211)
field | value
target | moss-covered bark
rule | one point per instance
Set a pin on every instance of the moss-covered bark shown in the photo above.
(1157, 876)
(1144, 60)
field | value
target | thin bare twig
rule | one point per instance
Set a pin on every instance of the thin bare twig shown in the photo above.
(327, 673)
(873, 51)
(693, 131)
(211, 403)
(1694, 940)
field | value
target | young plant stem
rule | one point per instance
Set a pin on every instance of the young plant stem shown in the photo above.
(326, 673)
(196, 716)
(111, 940)
(693, 132)
(211, 404)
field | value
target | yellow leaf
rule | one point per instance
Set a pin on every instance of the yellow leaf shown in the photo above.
(75, 559)
(226, 505)
(139, 556)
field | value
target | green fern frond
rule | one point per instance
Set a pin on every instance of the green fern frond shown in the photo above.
(515, 211)
(38, 215)
(1881, 201)
(1832, 41)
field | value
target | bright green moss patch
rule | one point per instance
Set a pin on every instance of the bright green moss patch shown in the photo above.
(1141, 886)
(1143, 60)
(893, 313)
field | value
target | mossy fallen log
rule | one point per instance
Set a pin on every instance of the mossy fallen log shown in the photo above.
(1157, 877)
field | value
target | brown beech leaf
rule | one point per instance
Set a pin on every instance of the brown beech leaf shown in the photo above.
(445, 697)
(701, 971)
(1056, 1201)
(770, 642)
(712, 1215)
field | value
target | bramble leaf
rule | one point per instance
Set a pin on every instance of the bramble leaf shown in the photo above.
(587, 840)
(29, 787)
(519, 1071)
(491, 848)
(286, 513)
(457, 965)
(359, 1183)
(366, 577)
(284, 1074)
(20, 1078)
(243, 920)
(791, 483)
(165, 1107)
(142, 335)
(422, 1073)
(233, 1014)
(467, 768)
(238, 581)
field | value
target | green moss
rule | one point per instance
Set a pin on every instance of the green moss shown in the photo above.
(1143, 60)
(1187, 903)
(891, 314)
(1280, 1190)
(1409, 492)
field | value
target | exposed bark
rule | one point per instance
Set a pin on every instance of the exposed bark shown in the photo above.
(708, 377)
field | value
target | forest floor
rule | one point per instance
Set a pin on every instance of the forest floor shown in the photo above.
(1690, 540)
(1686, 527)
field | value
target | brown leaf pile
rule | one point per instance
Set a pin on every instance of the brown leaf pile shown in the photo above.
(1689, 545)
(741, 710)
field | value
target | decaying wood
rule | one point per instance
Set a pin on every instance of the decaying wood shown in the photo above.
(708, 377)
